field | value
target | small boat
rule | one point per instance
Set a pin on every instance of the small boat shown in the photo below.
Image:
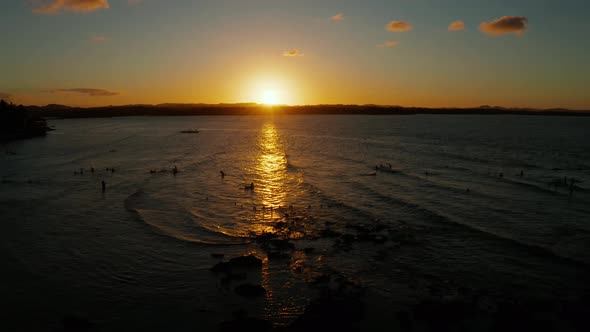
(190, 131)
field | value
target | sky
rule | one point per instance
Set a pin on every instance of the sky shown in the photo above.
(430, 53)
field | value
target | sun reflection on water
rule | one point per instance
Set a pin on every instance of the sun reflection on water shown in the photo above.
(279, 215)
(271, 168)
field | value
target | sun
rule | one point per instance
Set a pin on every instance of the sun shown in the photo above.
(270, 97)
(267, 90)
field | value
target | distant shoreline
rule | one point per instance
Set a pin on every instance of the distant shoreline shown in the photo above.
(60, 111)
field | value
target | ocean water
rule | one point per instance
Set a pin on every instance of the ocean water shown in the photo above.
(484, 203)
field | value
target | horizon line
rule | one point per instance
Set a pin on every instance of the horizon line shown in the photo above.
(255, 104)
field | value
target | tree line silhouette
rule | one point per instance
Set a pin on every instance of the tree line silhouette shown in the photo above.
(17, 122)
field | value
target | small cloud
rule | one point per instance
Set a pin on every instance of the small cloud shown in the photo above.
(337, 17)
(55, 6)
(398, 26)
(99, 38)
(388, 44)
(86, 91)
(505, 25)
(457, 26)
(293, 53)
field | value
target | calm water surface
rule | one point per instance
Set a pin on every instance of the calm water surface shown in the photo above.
(484, 202)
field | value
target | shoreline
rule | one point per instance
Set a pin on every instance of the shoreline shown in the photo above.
(60, 111)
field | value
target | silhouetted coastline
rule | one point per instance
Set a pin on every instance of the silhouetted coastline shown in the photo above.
(61, 111)
(17, 122)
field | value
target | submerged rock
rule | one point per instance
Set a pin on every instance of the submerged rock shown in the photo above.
(329, 233)
(249, 290)
(249, 261)
(338, 308)
(330, 314)
(276, 255)
(220, 267)
(246, 261)
(232, 276)
(308, 250)
(321, 279)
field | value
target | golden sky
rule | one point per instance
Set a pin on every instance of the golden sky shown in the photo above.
(410, 53)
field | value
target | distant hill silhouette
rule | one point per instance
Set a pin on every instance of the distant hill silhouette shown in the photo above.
(171, 109)
(19, 122)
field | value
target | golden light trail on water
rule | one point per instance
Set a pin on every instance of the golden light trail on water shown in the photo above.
(271, 167)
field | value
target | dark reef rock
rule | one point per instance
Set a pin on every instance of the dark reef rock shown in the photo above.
(242, 262)
(338, 308)
(250, 291)
(249, 261)
(330, 313)
(309, 250)
(233, 277)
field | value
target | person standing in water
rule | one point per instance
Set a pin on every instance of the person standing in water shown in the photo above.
(104, 186)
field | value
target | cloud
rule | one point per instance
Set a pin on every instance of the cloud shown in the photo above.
(457, 26)
(505, 25)
(388, 44)
(55, 6)
(337, 17)
(398, 26)
(293, 53)
(86, 91)
(99, 38)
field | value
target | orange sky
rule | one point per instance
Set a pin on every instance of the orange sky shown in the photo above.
(428, 53)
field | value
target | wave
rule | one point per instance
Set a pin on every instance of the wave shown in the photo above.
(291, 167)
(175, 222)
(434, 182)
(88, 156)
(533, 186)
(439, 218)
(500, 162)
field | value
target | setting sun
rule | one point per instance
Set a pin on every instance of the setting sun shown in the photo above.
(269, 88)
(270, 97)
